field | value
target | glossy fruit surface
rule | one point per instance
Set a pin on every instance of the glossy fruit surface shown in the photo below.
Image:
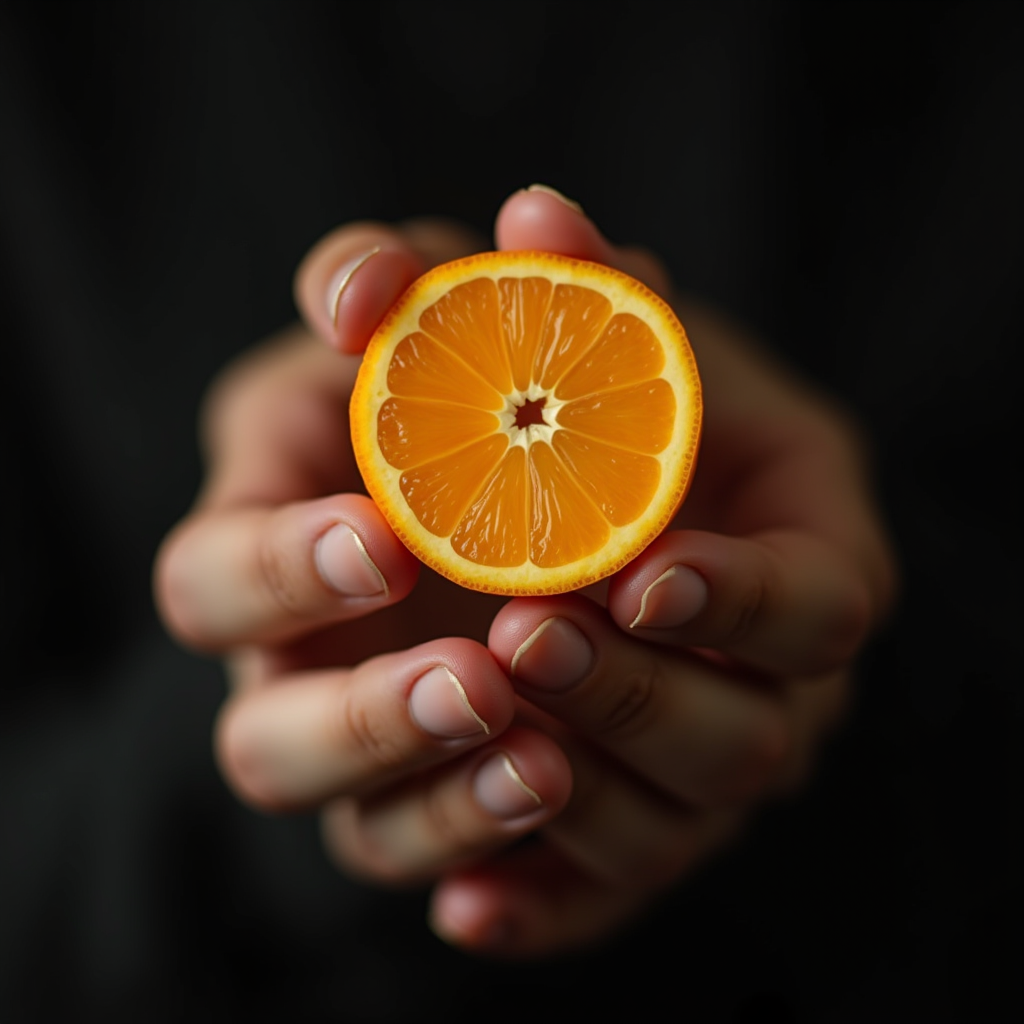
(527, 422)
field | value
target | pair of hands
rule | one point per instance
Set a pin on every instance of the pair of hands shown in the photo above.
(627, 729)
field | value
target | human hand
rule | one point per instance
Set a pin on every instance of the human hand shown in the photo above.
(319, 719)
(351, 691)
(703, 682)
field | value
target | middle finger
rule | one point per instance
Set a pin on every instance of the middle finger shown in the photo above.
(698, 731)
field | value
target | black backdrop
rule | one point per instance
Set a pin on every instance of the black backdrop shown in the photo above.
(845, 177)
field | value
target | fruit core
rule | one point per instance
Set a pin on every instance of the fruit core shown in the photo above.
(531, 413)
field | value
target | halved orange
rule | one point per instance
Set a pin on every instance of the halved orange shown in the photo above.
(527, 423)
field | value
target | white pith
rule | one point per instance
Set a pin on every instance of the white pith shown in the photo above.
(523, 437)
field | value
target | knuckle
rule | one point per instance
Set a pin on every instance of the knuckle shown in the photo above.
(359, 725)
(630, 707)
(749, 604)
(278, 576)
(350, 847)
(446, 832)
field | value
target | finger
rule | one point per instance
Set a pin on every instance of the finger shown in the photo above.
(320, 734)
(351, 278)
(263, 575)
(618, 829)
(783, 601)
(274, 426)
(536, 901)
(454, 815)
(698, 732)
(539, 217)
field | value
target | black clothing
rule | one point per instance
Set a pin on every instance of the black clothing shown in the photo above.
(844, 177)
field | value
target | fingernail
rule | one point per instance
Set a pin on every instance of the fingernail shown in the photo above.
(555, 194)
(439, 705)
(501, 791)
(344, 565)
(678, 595)
(340, 280)
(554, 657)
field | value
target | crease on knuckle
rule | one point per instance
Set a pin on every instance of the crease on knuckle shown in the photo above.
(748, 607)
(631, 707)
(444, 830)
(277, 577)
(356, 725)
(625, 858)
(351, 847)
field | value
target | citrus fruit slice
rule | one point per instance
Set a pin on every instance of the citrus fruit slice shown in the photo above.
(526, 422)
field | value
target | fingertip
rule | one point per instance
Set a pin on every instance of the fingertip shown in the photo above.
(359, 294)
(518, 621)
(468, 913)
(360, 548)
(668, 585)
(781, 602)
(539, 767)
(674, 597)
(479, 681)
(540, 217)
(349, 280)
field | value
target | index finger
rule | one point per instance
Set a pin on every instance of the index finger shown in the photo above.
(354, 275)
(260, 559)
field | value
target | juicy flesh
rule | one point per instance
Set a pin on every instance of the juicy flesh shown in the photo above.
(525, 418)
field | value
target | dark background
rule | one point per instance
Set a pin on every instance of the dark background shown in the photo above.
(844, 177)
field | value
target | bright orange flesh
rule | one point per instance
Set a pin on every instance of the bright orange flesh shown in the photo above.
(598, 374)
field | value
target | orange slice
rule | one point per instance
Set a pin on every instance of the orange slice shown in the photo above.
(527, 423)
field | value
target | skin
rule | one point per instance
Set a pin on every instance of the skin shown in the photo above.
(629, 750)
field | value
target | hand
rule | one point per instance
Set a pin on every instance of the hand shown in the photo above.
(351, 691)
(719, 660)
(378, 718)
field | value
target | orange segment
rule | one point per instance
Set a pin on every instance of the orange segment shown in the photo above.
(539, 501)
(619, 482)
(466, 320)
(575, 319)
(411, 432)
(639, 418)
(422, 368)
(524, 306)
(439, 492)
(493, 531)
(565, 525)
(626, 353)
